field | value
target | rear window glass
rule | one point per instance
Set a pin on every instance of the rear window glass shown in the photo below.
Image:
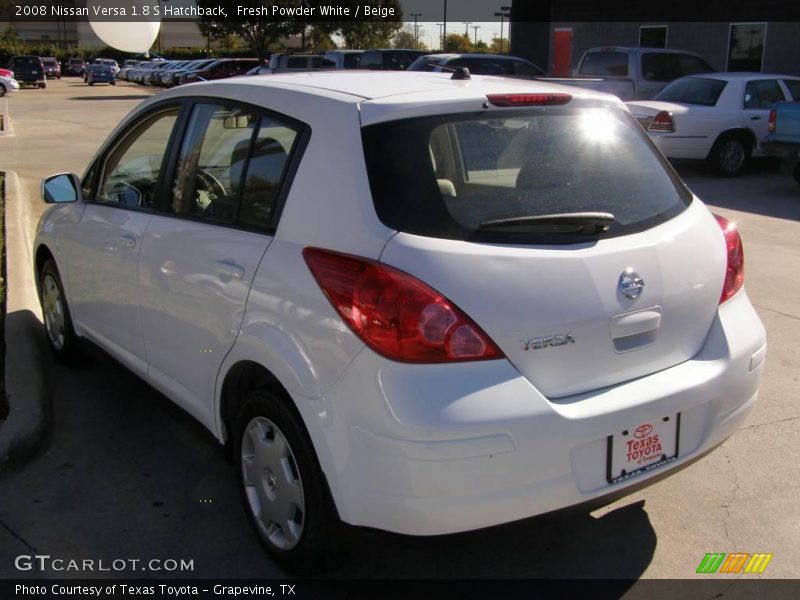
(451, 176)
(351, 60)
(665, 66)
(614, 64)
(693, 90)
(26, 61)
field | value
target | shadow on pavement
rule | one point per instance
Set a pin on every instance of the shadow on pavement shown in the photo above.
(126, 469)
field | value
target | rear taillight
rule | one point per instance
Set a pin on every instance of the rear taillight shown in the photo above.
(662, 122)
(734, 272)
(528, 99)
(773, 117)
(395, 314)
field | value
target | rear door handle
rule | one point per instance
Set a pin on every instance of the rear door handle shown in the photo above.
(229, 270)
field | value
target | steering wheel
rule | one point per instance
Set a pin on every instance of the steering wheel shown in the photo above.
(208, 189)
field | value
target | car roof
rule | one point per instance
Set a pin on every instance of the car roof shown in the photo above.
(370, 85)
(647, 48)
(453, 55)
(739, 75)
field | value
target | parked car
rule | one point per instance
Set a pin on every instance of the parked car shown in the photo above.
(220, 69)
(28, 70)
(7, 84)
(528, 311)
(633, 73)
(172, 77)
(130, 62)
(76, 66)
(479, 64)
(6, 73)
(341, 59)
(122, 74)
(718, 117)
(51, 67)
(100, 74)
(109, 62)
(388, 59)
(783, 140)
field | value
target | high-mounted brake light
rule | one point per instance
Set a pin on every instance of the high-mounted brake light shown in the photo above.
(773, 117)
(528, 99)
(734, 272)
(396, 314)
(662, 122)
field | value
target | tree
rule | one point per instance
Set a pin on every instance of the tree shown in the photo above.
(405, 38)
(495, 47)
(457, 42)
(319, 40)
(370, 32)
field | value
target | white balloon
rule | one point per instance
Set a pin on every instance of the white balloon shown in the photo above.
(129, 37)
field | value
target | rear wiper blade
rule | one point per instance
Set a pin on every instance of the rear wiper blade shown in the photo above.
(584, 223)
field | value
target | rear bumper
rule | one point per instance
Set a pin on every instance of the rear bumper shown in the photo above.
(438, 449)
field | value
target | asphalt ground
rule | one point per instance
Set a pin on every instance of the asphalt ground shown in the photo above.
(127, 475)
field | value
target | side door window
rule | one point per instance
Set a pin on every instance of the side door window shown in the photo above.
(132, 168)
(523, 69)
(231, 166)
(762, 94)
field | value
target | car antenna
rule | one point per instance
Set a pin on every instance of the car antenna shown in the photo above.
(458, 72)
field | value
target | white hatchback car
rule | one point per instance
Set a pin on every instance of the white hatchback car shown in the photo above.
(407, 301)
(719, 117)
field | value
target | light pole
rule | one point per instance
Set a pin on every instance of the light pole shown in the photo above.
(441, 36)
(466, 29)
(475, 29)
(416, 30)
(503, 14)
(444, 28)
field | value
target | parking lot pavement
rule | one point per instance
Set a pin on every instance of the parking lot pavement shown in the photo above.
(127, 475)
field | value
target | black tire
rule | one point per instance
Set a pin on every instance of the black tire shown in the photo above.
(796, 173)
(90, 82)
(113, 83)
(730, 154)
(61, 338)
(2, 90)
(318, 520)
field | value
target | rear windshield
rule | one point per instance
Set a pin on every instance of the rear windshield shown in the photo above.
(26, 61)
(50, 61)
(605, 64)
(451, 176)
(693, 90)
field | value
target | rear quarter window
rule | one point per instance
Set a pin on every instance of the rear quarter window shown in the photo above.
(608, 64)
(450, 176)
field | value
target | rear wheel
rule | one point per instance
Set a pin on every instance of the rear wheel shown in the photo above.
(730, 154)
(281, 484)
(42, 86)
(57, 319)
(2, 90)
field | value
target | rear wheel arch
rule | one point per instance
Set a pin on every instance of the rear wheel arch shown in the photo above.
(743, 133)
(731, 151)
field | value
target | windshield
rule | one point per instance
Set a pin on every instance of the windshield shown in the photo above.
(446, 176)
(693, 90)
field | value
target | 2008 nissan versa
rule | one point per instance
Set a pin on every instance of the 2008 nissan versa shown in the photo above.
(418, 302)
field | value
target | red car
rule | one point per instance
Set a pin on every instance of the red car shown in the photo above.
(224, 67)
(6, 73)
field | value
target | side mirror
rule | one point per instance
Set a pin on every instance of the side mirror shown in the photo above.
(64, 187)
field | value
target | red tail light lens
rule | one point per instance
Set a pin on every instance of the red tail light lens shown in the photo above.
(734, 273)
(506, 100)
(773, 117)
(662, 122)
(395, 314)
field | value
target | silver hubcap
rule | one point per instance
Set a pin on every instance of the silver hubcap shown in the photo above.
(272, 483)
(53, 309)
(732, 156)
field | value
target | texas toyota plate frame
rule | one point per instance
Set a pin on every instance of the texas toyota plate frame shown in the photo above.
(625, 475)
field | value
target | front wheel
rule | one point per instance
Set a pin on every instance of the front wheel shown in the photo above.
(729, 155)
(281, 484)
(2, 90)
(57, 318)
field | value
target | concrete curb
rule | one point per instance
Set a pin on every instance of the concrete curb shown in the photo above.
(8, 129)
(26, 429)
